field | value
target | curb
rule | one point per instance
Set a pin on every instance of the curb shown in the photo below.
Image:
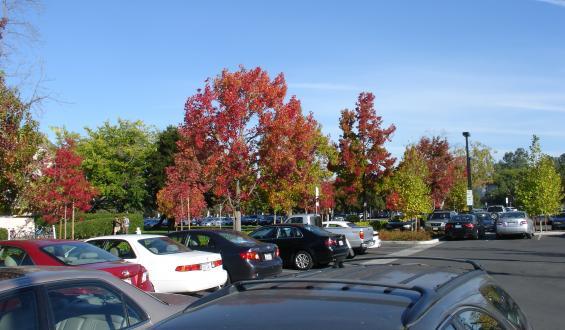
(433, 241)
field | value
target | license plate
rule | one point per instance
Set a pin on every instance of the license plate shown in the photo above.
(340, 243)
(268, 256)
(127, 280)
(435, 228)
(205, 266)
(457, 226)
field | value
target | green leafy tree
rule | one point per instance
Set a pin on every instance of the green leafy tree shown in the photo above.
(115, 161)
(409, 191)
(539, 192)
(506, 175)
(457, 197)
(160, 157)
(20, 143)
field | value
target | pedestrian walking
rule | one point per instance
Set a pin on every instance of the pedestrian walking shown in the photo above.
(125, 223)
(116, 226)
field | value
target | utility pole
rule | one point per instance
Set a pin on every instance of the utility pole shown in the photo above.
(469, 181)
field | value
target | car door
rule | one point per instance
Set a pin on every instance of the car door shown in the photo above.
(91, 304)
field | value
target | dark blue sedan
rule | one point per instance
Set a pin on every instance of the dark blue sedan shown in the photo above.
(557, 221)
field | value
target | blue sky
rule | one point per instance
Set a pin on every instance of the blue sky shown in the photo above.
(494, 68)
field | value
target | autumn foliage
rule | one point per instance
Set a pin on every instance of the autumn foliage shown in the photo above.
(63, 185)
(363, 159)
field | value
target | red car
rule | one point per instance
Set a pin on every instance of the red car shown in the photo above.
(72, 253)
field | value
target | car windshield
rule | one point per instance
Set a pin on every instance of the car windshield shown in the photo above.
(317, 230)
(483, 216)
(238, 239)
(440, 216)
(513, 215)
(462, 218)
(78, 253)
(162, 245)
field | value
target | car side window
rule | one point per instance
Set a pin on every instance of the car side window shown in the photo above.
(296, 233)
(201, 241)
(295, 220)
(12, 256)
(284, 232)
(504, 304)
(179, 238)
(19, 311)
(265, 233)
(474, 319)
(91, 306)
(121, 249)
(99, 243)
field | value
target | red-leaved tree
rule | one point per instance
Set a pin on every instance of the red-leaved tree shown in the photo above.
(62, 187)
(363, 158)
(440, 161)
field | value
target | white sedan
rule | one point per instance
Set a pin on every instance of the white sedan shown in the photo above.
(172, 267)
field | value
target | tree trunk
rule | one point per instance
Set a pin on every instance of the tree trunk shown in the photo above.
(65, 223)
(73, 223)
(188, 210)
(237, 222)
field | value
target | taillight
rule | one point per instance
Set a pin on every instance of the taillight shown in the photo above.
(187, 268)
(523, 222)
(330, 242)
(448, 225)
(277, 253)
(469, 225)
(144, 275)
(249, 255)
(217, 263)
(361, 235)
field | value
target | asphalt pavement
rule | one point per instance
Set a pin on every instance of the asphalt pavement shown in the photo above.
(531, 270)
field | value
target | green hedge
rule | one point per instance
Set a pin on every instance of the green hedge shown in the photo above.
(89, 225)
(352, 218)
(3, 234)
(376, 224)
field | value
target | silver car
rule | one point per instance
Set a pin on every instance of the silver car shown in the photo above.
(73, 298)
(514, 223)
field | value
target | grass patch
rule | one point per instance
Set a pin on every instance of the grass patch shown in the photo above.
(406, 235)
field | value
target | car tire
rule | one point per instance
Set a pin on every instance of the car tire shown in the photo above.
(361, 251)
(303, 260)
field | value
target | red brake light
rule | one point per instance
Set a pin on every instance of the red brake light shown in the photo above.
(469, 225)
(523, 222)
(187, 268)
(277, 253)
(448, 225)
(217, 263)
(361, 235)
(330, 242)
(249, 255)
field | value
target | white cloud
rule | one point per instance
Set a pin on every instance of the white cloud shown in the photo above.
(554, 2)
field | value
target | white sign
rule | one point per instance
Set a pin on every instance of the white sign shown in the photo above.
(469, 197)
(506, 201)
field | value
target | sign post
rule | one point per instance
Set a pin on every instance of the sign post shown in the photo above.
(470, 199)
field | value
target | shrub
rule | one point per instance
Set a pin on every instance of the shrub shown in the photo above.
(421, 235)
(378, 225)
(3, 234)
(89, 225)
(352, 218)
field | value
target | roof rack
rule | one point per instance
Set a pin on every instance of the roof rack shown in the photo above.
(412, 314)
(476, 266)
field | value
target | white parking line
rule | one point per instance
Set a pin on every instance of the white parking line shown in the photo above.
(401, 253)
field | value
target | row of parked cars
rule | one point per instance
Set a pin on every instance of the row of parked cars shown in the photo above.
(97, 288)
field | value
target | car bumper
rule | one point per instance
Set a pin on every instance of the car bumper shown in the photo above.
(558, 225)
(375, 243)
(191, 281)
(500, 230)
(460, 233)
(255, 271)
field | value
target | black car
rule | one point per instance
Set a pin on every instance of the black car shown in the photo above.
(410, 295)
(464, 226)
(557, 221)
(304, 246)
(400, 224)
(243, 257)
(486, 220)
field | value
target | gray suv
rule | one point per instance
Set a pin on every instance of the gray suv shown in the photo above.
(437, 220)
(413, 295)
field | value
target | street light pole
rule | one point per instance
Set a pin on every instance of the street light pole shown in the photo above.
(469, 181)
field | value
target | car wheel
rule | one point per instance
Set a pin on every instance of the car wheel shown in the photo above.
(361, 251)
(498, 236)
(303, 260)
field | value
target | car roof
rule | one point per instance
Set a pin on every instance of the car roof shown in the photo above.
(402, 292)
(129, 237)
(23, 276)
(37, 242)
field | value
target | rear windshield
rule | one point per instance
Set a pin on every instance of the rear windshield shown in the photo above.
(483, 216)
(495, 209)
(463, 218)
(352, 225)
(162, 245)
(513, 215)
(74, 254)
(442, 215)
(317, 230)
(237, 238)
